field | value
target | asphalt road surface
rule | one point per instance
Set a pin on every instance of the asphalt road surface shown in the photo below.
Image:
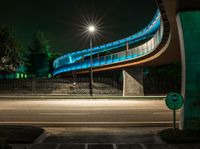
(49, 113)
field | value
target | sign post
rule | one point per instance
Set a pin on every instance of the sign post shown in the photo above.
(174, 119)
(174, 101)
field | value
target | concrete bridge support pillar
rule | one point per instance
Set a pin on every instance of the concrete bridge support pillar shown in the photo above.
(133, 82)
(189, 33)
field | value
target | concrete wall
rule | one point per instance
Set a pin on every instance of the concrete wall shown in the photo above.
(133, 82)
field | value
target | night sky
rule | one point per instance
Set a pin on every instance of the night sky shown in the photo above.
(62, 20)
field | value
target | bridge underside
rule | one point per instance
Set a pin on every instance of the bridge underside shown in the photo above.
(185, 16)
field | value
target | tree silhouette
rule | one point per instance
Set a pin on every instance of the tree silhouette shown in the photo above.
(9, 50)
(37, 57)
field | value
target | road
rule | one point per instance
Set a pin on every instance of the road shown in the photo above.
(57, 112)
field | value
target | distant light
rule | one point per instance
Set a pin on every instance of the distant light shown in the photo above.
(17, 75)
(91, 28)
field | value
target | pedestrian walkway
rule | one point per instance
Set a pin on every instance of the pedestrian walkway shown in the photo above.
(115, 146)
(106, 138)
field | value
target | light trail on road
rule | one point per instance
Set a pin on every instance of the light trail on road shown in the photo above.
(85, 112)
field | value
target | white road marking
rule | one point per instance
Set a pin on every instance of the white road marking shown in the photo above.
(143, 146)
(8, 108)
(160, 113)
(114, 146)
(86, 146)
(58, 146)
(64, 113)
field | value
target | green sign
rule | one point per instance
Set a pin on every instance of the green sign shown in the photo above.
(174, 101)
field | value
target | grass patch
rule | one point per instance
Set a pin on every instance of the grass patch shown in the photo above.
(19, 134)
(180, 136)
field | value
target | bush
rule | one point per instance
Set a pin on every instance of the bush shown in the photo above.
(180, 136)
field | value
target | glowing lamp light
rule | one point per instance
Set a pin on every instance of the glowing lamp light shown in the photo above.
(91, 28)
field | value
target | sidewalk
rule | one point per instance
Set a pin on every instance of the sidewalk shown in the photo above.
(116, 146)
(65, 97)
(106, 138)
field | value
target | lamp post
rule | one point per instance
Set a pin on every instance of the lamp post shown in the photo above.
(91, 30)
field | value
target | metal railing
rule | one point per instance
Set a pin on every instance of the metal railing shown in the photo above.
(68, 86)
(139, 36)
(126, 55)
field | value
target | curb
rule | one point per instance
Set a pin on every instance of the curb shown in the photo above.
(53, 97)
(94, 124)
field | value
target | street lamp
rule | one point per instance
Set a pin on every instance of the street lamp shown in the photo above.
(91, 30)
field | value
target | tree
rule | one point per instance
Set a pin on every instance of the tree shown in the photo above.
(38, 56)
(9, 50)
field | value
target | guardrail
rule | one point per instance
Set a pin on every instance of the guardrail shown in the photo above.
(139, 36)
(126, 55)
(68, 86)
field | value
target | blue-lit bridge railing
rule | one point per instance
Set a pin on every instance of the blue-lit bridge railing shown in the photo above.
(142, 35)
(122, 56)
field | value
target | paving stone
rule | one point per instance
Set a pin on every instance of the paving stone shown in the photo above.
(119, 146)
(159, 146)
(43, 146)
(172, 146)
(109, 139)
(72, 146)
(66, 139)
(100, 146)
(187, 146)
(129, 146)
